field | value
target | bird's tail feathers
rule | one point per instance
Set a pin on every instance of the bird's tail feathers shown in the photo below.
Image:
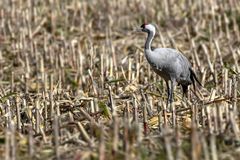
(194, 78)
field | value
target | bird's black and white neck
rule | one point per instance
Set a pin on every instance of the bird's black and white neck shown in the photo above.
(150, 29)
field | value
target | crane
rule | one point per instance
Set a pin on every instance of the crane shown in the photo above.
(170, 64)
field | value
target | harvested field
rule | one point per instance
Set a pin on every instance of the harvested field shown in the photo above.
(74, 82)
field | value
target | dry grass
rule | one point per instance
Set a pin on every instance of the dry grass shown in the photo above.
(74, 82)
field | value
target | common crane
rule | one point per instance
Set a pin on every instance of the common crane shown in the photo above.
(170, 64)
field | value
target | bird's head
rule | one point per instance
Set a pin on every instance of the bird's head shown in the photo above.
(148, 28)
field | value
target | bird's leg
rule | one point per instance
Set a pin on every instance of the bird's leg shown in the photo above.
(166, 108)
(185, 91)
(173, 84)
(185, 94)
(170, 90)
(168, 93)
(172, 107)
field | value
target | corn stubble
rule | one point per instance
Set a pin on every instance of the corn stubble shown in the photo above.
(74, 82)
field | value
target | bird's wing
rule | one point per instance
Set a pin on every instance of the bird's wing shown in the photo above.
(170, 56)
(171, 61)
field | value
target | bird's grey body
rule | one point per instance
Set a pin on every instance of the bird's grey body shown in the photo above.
(169, 63)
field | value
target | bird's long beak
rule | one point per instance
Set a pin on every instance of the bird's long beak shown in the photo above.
(137, 29)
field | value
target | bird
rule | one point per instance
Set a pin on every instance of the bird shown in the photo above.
(169, 63)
